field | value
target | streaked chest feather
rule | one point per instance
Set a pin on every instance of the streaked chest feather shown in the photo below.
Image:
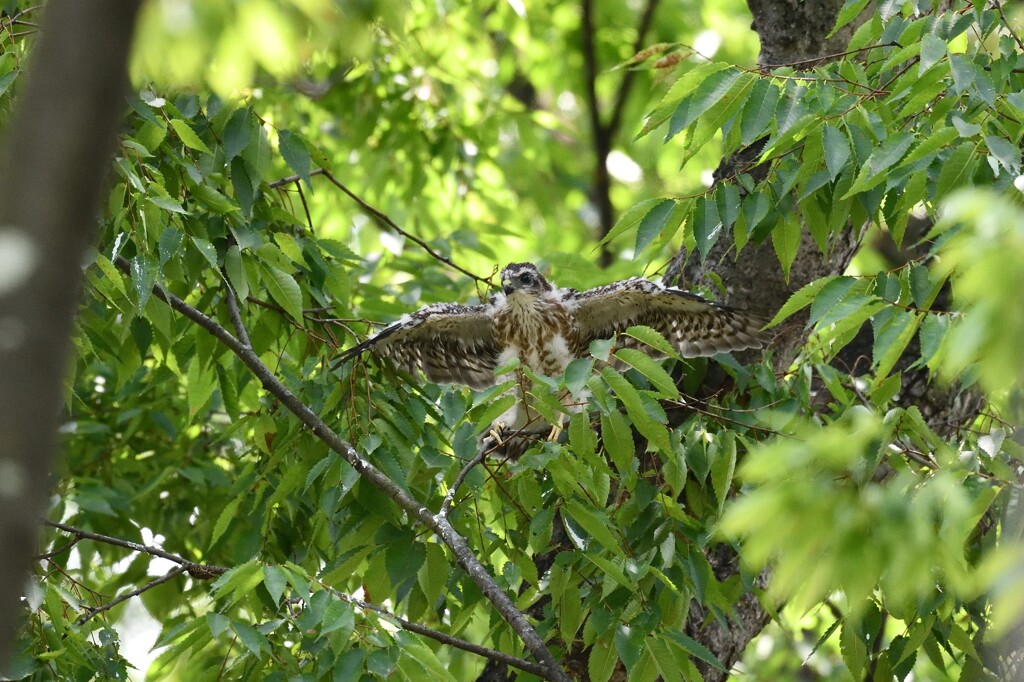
(538, 331)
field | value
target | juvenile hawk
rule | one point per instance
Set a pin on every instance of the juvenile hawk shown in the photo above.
(547, 327)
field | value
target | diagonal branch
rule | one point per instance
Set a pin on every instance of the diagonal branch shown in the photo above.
(170, 575)
(184, 565)
(440, 525)
(383, 219)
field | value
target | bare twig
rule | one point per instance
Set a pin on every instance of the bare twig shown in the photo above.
(174, 572)
(200, 571)
(1006, 22)
(446, 505)
(440, 525)
(383, 219)
(442, 637)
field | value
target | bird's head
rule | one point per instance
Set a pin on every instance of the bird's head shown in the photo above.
(525, 278)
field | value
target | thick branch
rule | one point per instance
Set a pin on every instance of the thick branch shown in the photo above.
(603, 133)
(438, 524)
(53, 162)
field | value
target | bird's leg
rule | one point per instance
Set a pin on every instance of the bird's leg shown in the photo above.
(556, 432)
(495, 433)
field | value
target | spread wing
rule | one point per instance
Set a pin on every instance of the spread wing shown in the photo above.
(695, 326)
(451, 344)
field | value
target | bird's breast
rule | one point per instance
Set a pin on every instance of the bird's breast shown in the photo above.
(538, 332)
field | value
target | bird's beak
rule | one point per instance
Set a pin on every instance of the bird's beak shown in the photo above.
(507, 288)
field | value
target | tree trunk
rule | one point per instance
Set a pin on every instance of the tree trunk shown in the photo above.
(52, 161)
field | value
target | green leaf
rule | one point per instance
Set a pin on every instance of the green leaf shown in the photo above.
(851, 8)
(786, 240)
(296, 155)
(707, 94)
(891, 339)
(284, 290)
(706, 225)
(602, 661)
(254, 640)
(653, 223)
(883, 158)
(723, 466)
(758, 110)
(800, 299)
(201, 384)
(642, 420)
(188, 136)
(237, 133)
(853, 648)
(166, 203)
(224, 519)
(957, 170)
(653, 338)
(235, 272)
(650, 368)
(695, 648)
(837, 150)
(208, 250)
(275, 580)
(930, 146)
(680, 89)
(618, 441)
(596, 523)
(631, 218)
(933, 48)
(664, 661)
(143, 276)
(832, 291)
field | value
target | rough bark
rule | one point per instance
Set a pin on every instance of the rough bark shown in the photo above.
(53, 160)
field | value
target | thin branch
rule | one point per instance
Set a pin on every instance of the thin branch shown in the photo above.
(383, 219)
(442, 637)
(1006, 23)
(644, 25)
(173, 573)
(200, 571)
(438, 524)
(446, 505)
(236, 316)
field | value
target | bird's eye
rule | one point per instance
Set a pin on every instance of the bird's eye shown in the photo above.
(526, 278)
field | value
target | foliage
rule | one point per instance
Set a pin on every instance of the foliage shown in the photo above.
(454, 133)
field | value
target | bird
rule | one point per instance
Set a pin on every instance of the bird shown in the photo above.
(546, 327)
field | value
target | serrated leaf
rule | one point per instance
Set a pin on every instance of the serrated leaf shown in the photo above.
(653, 338)
(933, 48)
(706, 225)
(800, 299)
(275, 580)
(836, 148)
(680, 89)
(851, 8)
(707, 94)
(655, 432)
(296, 155)
(596, 523)
(891, 340)
(758, 110)
(631, 218)
(884, 157)
(957, 169)
(201, 384)
(618, 441)
(166, 203)
(143, 277)
(653, 223)
(650, 368)
(254, 640)
(283, 289)
(237, 133)
(602, 661)
(786, 240)
(236, 273)
(227, 515)
(834, 290)
(188, 136)
(695, 648)
(208, 250)
(723, 467)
